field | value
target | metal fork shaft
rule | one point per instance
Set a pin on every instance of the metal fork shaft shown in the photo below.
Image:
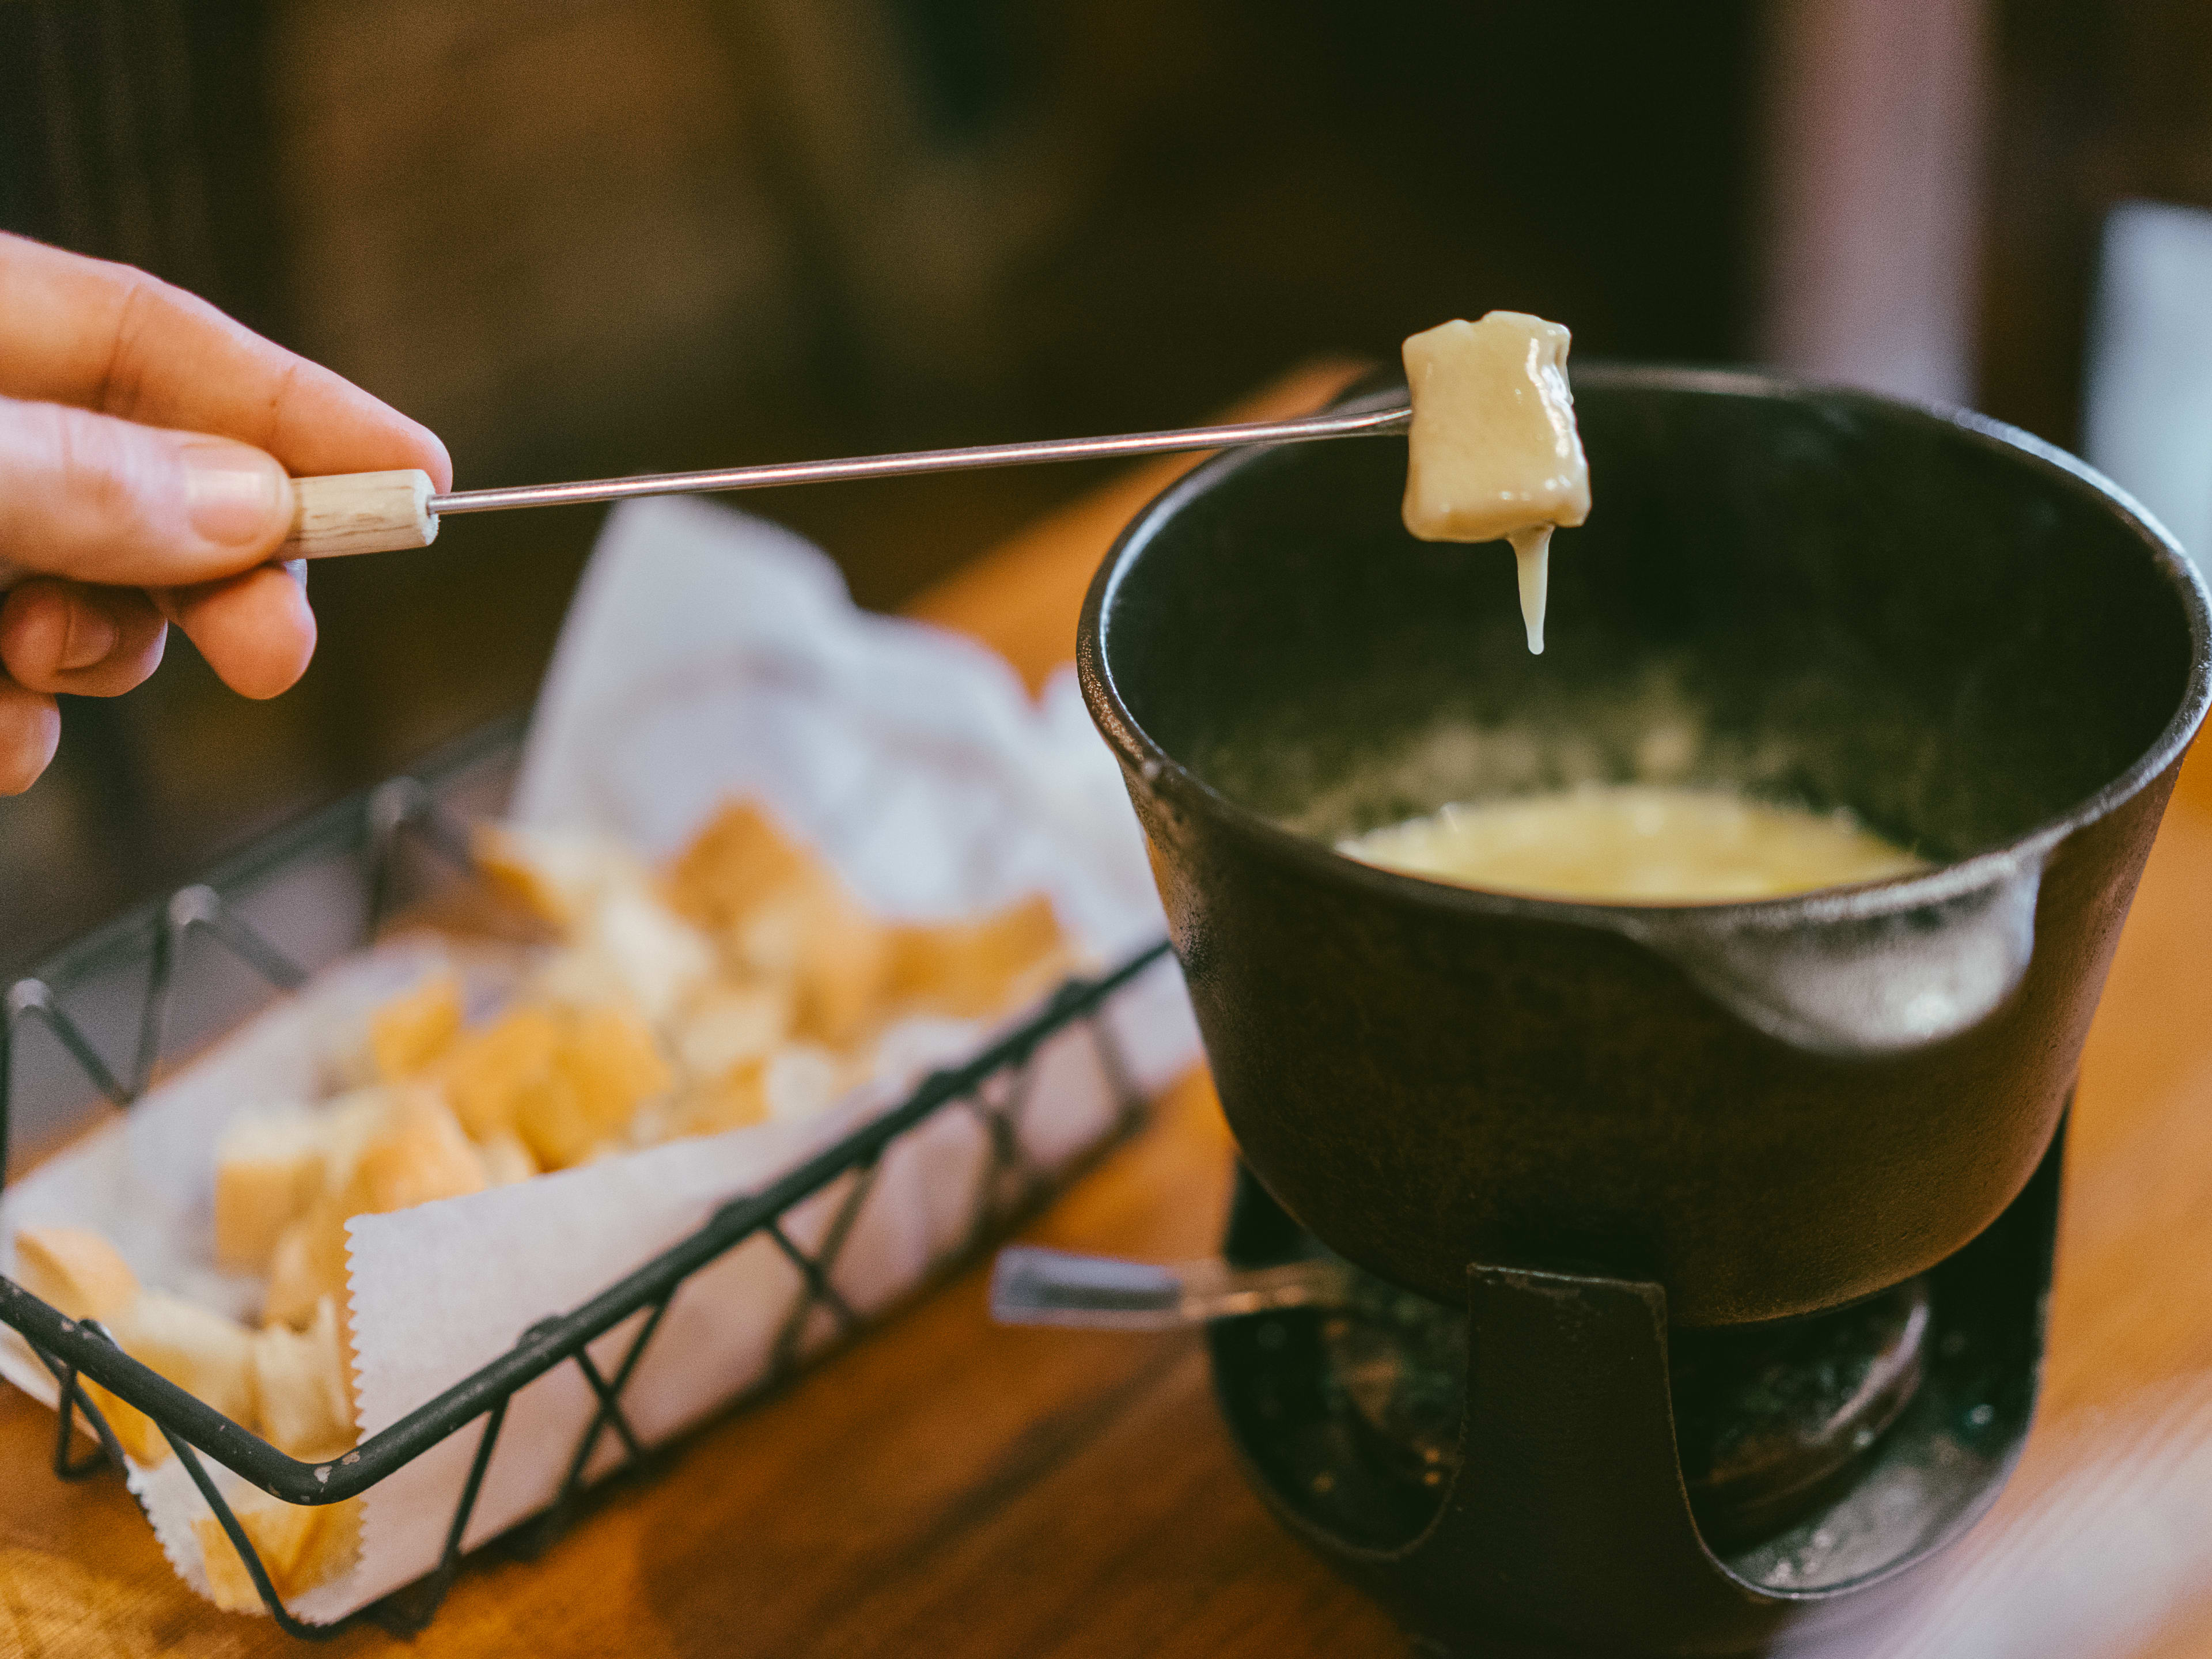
(1306, 429)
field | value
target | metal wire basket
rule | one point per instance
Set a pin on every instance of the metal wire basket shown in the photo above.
(103, 1017)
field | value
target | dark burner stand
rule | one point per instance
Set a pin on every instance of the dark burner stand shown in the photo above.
(1524, 1493)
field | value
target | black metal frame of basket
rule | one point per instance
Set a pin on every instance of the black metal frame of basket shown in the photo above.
(381, 822)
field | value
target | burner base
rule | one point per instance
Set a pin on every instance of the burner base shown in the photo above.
(1531, 1498)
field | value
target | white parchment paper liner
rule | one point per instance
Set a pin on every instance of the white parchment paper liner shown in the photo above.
(708, 654)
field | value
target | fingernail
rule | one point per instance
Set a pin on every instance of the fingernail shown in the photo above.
(233, 495)
(92, 634)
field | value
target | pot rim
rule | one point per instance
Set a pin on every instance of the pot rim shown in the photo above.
(1137, 749)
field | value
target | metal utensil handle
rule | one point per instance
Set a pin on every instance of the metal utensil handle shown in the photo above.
(382, 512)
(1034, 1286)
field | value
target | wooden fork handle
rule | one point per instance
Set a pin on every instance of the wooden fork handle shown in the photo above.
(360, 513)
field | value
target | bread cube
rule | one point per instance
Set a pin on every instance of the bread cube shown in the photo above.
(507, 1158)
(488, 1070)
(309, 1266)
(81, 1274)
(76, 1271)
(780, 913)
(735, 863)
(299, 1547)
(422, 1155)
(731, 1025)
(412, 1030)
(269, 1168)
(202, 1352)
(606, 1066)
(735, 1100)
(415, 1153)
(967, 970)
(556, 875)
(142, 1441)
(658, 958)
(301, 1380)
(1493, 447)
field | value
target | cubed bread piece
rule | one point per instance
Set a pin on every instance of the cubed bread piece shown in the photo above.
(1493, 447)
(502, 858)
(578, 974)
(302, 1381)
(780, 913)
(507, 1158)
(611, 1053)
(552, 1122)
(606, 1066)
(803, 1079)
(417, 1154)
(843, 963)
(729, 1025)
(205, 1354)
(410, 1032)
(330, 1549)
(298, 1547)
(836, 958)
(488, 1070)
(735, 1100)
(967, 970)
(81, 1274)
(659, 958)
(76, 1271)
(269, 1168)
(350, 1123)
(142, 1441)
(278, 1533)
(733, 865)
(556, 875)
(422, 1155)
(631, 948)
(308, 1265)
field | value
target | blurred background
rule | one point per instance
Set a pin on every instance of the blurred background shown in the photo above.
(585, 237)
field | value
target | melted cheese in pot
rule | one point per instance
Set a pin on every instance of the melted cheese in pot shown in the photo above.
(1493, 454)
(1636, 843)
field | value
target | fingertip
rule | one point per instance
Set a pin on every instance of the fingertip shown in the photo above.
(405, 440)
(88, 641)
(289, 644)
(91, 639)
(323, 423)
(436, 461)
(30, 732)
(34, 624)
(101, 501)
(256, 631)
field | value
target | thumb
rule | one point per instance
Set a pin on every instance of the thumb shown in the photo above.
(101, 500)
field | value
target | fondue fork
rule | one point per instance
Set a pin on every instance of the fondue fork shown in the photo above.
(344, 513)
(383, 512)
(1034, 1286)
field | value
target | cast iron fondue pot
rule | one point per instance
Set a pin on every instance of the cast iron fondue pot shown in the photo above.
(1967, 639)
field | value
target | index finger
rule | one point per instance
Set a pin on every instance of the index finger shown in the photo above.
(106, 337)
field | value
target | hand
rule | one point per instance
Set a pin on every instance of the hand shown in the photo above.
(145, 445)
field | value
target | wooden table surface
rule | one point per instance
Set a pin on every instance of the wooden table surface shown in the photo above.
(949, 1486)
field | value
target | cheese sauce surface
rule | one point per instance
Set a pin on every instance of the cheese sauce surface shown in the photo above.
(1635, 843)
